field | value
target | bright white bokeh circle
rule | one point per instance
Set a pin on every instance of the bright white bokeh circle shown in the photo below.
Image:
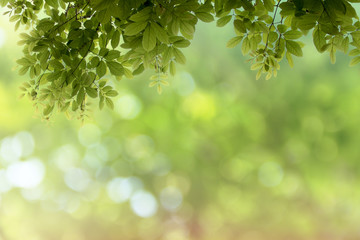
(26, 174)
(121, 189)
(77, 179)
(143, 204)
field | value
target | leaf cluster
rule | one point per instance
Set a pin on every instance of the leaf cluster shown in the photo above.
(74, 46)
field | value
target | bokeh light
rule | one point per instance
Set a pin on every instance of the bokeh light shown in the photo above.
(128, 106)
(171, 198)
(185, 83)
(77, 179)
(121, 189)
(270, 174)
(89, 134)
(143, 204)
(26, 174)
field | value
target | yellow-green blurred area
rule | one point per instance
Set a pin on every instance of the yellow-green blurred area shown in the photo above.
(217, 156)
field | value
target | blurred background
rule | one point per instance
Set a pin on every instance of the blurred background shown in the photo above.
(218, 155)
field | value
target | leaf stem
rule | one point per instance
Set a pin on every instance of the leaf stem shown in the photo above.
(272, 24)
(75, 16)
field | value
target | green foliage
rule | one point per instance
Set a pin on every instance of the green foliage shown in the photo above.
(70, 51)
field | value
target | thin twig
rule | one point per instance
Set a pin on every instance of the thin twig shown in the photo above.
(272, 24)
(77, 13)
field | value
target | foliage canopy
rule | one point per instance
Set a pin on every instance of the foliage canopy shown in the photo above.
(73, 45)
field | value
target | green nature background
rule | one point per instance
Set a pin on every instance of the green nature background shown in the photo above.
(218, 155)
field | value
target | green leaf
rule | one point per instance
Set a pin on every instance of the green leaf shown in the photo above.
(333, 54)
(74, 106)
(94, 62)
(245, 47)
(149, 38)
(48, 109)
(269, 5)
(80, 96)
(345, 44)
(183, 43)
(172, 68)
(175, 25)
(289, 59)
(3, 3)
(223, 21)
(112, 93)
(299, 4)
(52, 3)
(65, 107)
(14, 18)
(319, 39)
(234, 41)
(187, 29)
(75, 24)
(240, 26)
(101, 69)
(355, 61)
(159, 89)
(56, 64)
(92, 92)
(153, 83)
(139, 70)
(45, 24)
(54, 76)
(167, 54)
(294, 48)
(179, 56)
(161, 34)
(24, 70)
(256, 65)
(101, 103)
(25, 62)
(112, 54)
(142, 16)
(109, 10)
(115, 68)
(128, 73)
(282, 28)
(165, 83)
(355, 51)
(205, 17)
(109, 103)
(337, 5)
(115, 39)
(307, 22)
(292, 34)
(134, 28)
(66, 59)
(88, 24)
(273, 36)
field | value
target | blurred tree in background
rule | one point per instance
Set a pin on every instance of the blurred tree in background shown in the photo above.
(216, 156)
